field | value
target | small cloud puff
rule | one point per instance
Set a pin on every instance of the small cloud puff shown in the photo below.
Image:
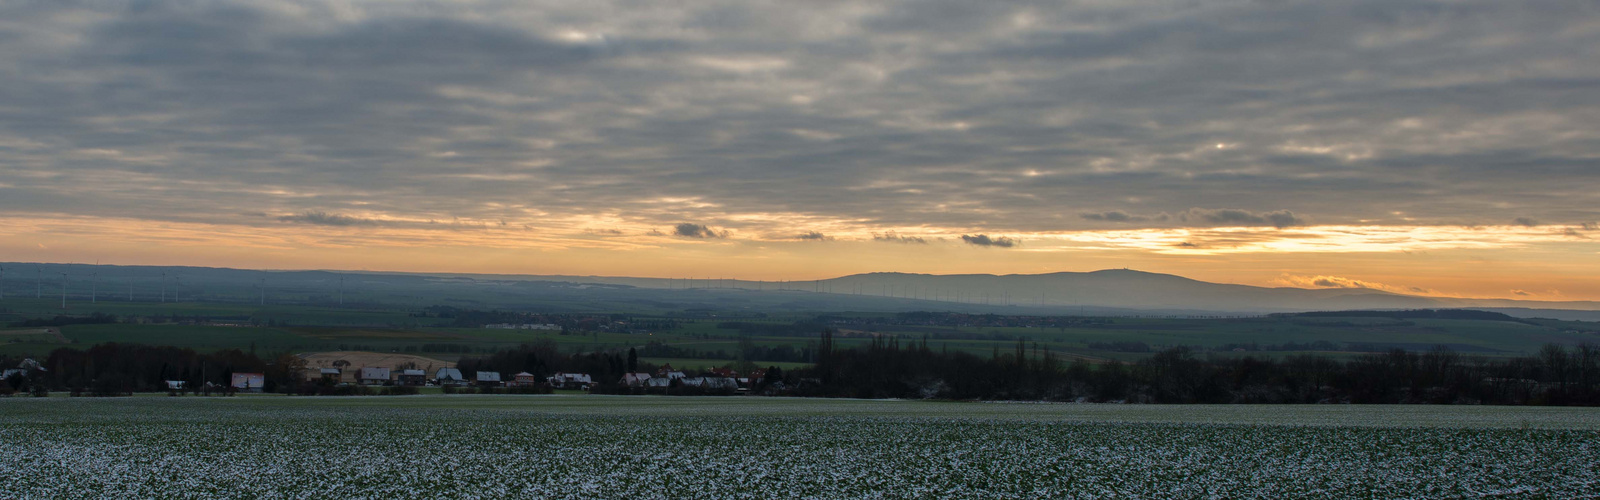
(893, 237)
(983, 240)
(691, 230)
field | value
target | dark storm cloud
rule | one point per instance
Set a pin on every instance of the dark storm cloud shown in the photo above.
(1525, 222)
(812, 236)
(982, 116)
(983, 240)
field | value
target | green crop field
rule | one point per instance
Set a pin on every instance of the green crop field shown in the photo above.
(659, 447)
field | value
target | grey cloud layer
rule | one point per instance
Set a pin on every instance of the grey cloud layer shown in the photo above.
(983, 116)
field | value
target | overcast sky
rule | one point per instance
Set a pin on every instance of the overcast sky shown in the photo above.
(1262, 142)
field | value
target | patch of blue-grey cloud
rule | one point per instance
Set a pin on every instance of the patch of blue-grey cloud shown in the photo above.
(982, 116)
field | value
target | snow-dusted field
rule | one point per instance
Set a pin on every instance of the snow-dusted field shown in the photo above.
(614, 447)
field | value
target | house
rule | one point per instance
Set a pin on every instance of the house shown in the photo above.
(374, 375)
(176, 385)
(248, 382)
(413, 377)
(658, 383)
(524, 379)
(712, 383)
(489, 379)
(571, 381)
(24, 369)
(449, 376)
(330, 375)
(721, 384)
(635, 379)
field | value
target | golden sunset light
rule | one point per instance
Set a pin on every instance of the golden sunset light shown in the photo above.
(733, 249)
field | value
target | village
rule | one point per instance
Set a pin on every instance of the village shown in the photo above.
(715, 380)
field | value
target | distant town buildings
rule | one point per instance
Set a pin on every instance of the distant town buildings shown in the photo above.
(524, 326)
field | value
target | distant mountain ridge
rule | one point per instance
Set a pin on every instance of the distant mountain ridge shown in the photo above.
(1108, 288)
(1106, 292)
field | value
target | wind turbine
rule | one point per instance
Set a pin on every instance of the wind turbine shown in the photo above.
(38, 283)
(163, 286)
(94, 287)
(63, 290)
(2, 282)
(341, 290)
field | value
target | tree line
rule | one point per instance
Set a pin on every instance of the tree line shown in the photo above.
(892, 368)
(114, 369)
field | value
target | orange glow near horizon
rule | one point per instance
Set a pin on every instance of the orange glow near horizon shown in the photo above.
(1512, 262)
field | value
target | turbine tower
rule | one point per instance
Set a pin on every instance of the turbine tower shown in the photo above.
(94, 287)
(2, 282)
(63, 290)
(163, 286)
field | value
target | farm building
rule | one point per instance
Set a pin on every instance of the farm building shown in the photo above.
(449, 376)
(176, 385)
(488, 379)
(635, 379)
(374, 375)
(248, 382)
(524, 379)
(712, 383)
(330, 375)
(571, 381)
(413, 377)
(670, 375)
(24, 369)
